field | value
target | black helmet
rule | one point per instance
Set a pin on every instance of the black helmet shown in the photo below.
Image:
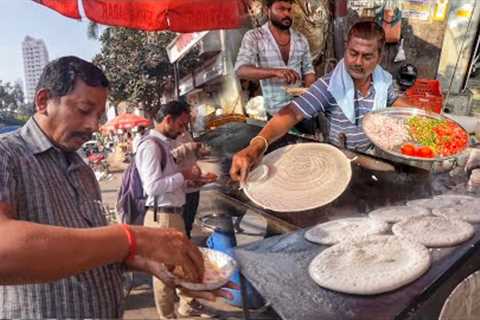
(407, 76)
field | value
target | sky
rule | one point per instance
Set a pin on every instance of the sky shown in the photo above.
(62, 35)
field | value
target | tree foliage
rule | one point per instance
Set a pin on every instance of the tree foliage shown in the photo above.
(136, 63)
(12, 106)
(11, 96)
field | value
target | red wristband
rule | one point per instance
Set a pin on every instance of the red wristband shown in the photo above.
(132, 242)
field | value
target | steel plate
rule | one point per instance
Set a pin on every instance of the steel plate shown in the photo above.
(225, 267)
(405, 113)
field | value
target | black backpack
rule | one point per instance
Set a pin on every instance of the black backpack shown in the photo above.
(131, 198)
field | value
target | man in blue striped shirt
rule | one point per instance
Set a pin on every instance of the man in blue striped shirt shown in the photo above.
(357, 86)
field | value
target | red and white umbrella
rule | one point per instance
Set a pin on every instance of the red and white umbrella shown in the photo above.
(127, 121)
(155, 15)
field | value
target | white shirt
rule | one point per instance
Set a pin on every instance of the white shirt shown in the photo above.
(167, 185)
(135, 142)
(184, 154)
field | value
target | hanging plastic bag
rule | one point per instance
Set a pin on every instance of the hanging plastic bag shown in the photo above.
(400, 54)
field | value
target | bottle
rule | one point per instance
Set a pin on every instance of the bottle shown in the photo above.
(440, 11)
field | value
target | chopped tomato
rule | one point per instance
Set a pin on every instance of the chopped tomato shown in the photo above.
(424, 152)
(444, 137)
(408, 149)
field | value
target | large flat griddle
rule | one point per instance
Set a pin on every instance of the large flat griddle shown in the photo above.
(368, 190)
(277, 268)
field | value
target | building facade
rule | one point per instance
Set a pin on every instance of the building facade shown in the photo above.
(35, 58)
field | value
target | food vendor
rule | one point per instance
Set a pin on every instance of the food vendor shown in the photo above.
(279, 57)
(356, 86)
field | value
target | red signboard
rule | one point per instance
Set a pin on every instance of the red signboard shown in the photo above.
(183, 40)
(182, 43)
(67, 8)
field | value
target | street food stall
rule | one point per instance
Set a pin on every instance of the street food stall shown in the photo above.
(278, 266)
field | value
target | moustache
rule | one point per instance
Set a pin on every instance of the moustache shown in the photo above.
(85, 136)
(357, 69)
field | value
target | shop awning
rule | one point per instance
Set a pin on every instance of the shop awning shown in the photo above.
(155, 15)
(68, 8)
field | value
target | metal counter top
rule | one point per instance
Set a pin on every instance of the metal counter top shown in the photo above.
(367, 191)
(277, 268)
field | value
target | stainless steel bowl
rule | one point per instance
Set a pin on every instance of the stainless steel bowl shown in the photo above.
(225, 267)
(405, 113)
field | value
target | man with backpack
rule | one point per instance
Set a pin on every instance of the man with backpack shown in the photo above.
(164, 184)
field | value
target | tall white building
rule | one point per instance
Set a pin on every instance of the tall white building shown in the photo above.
(35, 58)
